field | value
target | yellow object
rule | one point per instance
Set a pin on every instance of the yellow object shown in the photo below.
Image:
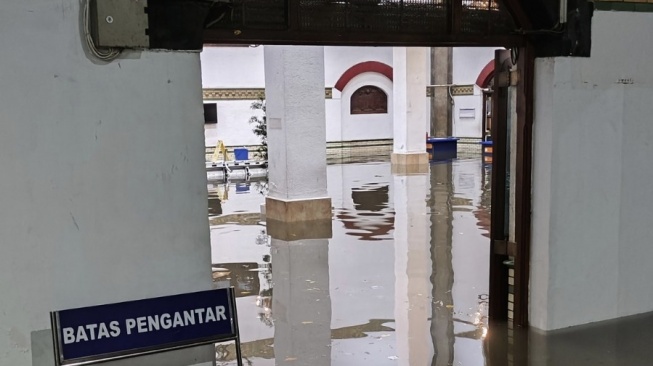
(221, 191)
(219, 148)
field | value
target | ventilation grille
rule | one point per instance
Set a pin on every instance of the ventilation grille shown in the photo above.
(409, 16)
(484, 16)
(373, 16)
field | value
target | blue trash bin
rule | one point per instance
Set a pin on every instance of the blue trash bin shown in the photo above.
(241, 153)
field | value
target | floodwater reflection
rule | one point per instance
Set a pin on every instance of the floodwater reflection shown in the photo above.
(402, 281)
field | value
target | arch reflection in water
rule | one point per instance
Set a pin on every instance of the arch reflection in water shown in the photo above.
(404, 280)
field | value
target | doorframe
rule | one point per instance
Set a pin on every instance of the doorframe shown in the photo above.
(498, 299)
(500, 247)
(523, 187)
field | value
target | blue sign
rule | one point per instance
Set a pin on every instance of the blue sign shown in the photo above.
(130, 328)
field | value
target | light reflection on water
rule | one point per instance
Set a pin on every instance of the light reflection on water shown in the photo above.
(402, 281)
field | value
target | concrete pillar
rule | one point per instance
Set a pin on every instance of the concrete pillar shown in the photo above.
(412, 270)
(301, 303)
(441, 75)
(103, 190)
(410, 73)
(294, 88)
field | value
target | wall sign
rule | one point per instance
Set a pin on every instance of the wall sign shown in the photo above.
(99, 333)
(467, 113)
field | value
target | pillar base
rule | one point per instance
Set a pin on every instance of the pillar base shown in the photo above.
(300, 230)
(410, 163)
(311, 209)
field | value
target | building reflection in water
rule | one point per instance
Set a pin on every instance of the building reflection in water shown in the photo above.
(402, 281)
(371, 217)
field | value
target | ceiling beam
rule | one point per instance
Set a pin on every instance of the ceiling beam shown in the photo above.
(270, 37)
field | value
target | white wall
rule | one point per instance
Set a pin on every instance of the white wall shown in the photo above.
(365, 126)
(337, 60)
(468, 62)
(466, 126)
(592, 226)
(243, 67)
(333, 115)
(103, 189)
(232, 67)
(341, 124)
(233, 126)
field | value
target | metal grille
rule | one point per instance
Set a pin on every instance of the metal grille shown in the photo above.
(258, 14)
(374, 16)
(484, 16)
(407, 16)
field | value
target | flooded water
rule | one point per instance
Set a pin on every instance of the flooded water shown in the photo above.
(402, 281)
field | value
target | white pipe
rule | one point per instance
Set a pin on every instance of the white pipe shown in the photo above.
(563, 12)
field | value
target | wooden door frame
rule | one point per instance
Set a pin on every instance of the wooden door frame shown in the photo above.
(523, 187)
(500, 248)
(498, 301)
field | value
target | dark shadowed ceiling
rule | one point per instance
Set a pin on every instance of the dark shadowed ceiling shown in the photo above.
(187, 24)
(362, 22)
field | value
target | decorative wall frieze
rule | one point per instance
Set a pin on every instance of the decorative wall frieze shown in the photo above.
(244, 93)
(456, 90)
(234, 94)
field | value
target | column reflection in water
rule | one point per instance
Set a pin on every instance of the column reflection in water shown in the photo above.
(459, 253)
(301, 304)
(406, 284)
(442, 274)
(470, 250)
(412, 270)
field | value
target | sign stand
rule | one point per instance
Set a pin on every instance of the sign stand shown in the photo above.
(100, 333)
(232, 301)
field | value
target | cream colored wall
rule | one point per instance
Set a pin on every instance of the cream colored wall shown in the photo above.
(592, 226)
(103, 192)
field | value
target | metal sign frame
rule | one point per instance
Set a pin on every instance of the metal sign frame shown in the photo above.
(104, 357)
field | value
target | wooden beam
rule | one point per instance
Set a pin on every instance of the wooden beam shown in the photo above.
(284, 37)
(525, 65)
(498, 309)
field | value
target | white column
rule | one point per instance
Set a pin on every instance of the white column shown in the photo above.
(294, 88)
(412, 270)
(301, 302)
(410, 75)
